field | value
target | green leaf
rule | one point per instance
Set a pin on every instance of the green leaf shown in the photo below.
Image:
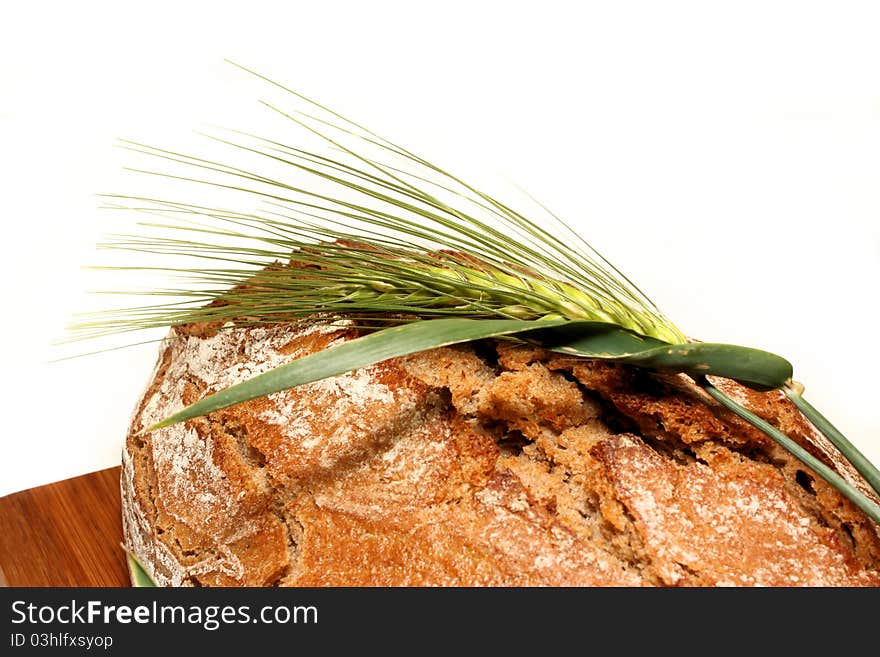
(751, 367)
(582, 338)
(137, 573)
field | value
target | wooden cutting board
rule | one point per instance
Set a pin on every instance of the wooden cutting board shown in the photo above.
(68, 533)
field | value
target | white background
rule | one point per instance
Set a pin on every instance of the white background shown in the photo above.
(725, 155)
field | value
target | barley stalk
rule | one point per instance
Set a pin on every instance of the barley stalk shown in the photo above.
(373, 283)
(382, 235)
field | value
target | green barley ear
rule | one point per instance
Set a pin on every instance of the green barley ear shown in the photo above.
(417, 257)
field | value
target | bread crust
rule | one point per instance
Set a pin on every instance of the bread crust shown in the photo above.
(487, 464)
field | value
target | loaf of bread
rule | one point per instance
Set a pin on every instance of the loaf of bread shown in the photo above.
(488, 464)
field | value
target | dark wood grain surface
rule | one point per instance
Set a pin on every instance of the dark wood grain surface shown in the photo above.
(68, 533)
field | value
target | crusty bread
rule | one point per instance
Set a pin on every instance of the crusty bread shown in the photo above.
(491, 463)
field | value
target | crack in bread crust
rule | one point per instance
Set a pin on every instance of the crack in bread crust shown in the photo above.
(489, 463)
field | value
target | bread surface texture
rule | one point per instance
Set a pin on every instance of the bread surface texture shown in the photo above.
(487, 464)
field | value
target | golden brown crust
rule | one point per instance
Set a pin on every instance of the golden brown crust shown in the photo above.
(483, 464)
